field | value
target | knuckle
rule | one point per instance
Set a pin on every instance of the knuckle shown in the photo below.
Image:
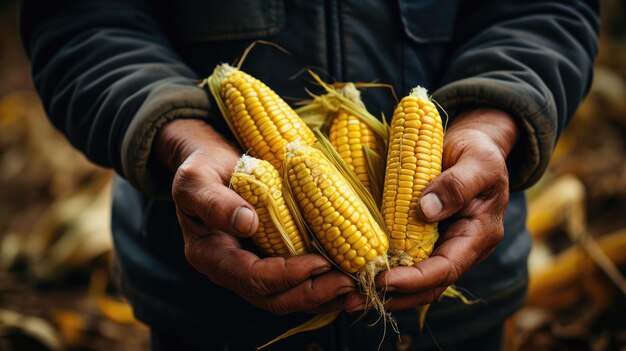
(188, 171)
(192, 255)
(257, 287)
(498, 233)
(186, 174)
(278, 306)
(454, 272)
(211, 203)
(432, 297)
(454, 188)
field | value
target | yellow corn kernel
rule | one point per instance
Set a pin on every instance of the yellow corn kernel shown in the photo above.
(262, 122)
(417, 131)
(259, 183)
(307, 167)
(348, 134)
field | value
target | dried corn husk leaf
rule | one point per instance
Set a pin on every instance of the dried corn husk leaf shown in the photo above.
(71, 324)
(559, 286)
(319, 321)
(35, 328)
(376, 173)
(116, 310)
(73, 232)
(335, 100)
(561, 200)
(329, 151)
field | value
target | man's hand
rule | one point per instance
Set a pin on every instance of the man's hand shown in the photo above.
(473, 190)
(211, 216)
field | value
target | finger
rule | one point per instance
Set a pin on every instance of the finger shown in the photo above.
(401, 301)
(454, 188)
(334, 305)
(466, 243)
(240, 270)
(355, 302)
(199, 192)
(312, 293)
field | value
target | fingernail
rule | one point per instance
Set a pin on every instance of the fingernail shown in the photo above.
(321, 270)
(243, 220)
(431, 205)
(345, 290)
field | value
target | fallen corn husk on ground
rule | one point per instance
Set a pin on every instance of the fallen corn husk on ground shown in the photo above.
(562, 204)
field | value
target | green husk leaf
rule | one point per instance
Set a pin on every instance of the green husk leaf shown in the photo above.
(214, 81)
(356, 108)
(319, 321)
(297, 217)
(295, 208)
(329, 151)
(272, 209)
(376, 172)
(314, 119)
(316, 113)
(274, 212)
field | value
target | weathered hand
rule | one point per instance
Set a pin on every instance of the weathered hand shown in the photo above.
(473, 192)
(211, 216)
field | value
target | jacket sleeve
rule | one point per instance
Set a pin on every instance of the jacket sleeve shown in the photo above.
(533, 59)
(109, 79)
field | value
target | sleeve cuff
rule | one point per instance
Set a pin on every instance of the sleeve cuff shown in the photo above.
(534, 112)
(168, 101)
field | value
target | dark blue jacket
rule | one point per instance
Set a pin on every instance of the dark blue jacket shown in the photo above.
(112, 72)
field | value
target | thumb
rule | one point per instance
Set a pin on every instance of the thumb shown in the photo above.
(225, 210)
(200, 193)
(452, 190)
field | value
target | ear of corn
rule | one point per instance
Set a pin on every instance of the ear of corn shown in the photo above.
(351, 129)
(260, 184)
(262, 122)
(341, 223)
(350, 136)
(324, 145)
(413, 160)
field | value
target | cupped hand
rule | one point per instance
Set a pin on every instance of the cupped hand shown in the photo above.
(472, 192)
(212, 217)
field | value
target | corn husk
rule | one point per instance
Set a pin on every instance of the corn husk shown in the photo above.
(331, 154)
(335, 100)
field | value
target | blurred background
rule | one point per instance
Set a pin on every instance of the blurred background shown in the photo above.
(56, 290)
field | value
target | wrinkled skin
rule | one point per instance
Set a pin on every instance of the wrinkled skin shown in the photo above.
(213, 218)
(472, 192)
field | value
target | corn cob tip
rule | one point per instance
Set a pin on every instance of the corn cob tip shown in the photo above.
(350, 92)
(293, 147)
(420, 93)
(223, 70)
(246, 164)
